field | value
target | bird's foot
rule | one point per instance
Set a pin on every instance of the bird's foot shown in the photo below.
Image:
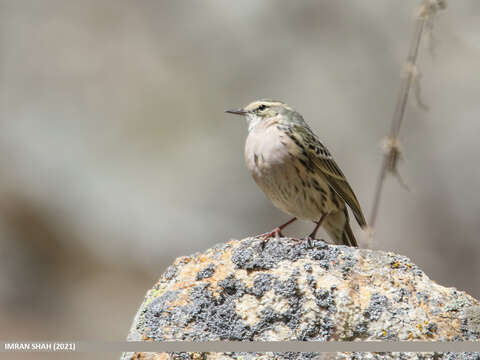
(309, 241)
(277, 233)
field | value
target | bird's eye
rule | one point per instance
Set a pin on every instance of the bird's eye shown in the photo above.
(262, 107)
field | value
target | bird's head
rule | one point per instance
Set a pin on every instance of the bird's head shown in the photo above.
(262, 110)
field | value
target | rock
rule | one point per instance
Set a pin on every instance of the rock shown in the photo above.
(292, 291)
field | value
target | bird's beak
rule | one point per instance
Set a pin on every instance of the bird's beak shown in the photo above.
(236, 112)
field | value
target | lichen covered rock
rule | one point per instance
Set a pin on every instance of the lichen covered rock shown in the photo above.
(291, 290)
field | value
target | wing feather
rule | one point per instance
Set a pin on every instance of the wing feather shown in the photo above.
(321, 158)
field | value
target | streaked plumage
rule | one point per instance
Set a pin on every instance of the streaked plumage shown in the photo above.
(296, 171)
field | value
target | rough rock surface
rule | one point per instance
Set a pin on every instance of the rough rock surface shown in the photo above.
(291, 290)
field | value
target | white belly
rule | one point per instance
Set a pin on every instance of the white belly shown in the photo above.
(282, 178)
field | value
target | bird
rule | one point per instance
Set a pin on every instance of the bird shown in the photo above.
(297, 172)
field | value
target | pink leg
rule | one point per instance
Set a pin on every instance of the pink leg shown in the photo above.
(277, 232)
(319, 223)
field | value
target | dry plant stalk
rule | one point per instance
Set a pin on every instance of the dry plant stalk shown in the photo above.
(391, 145)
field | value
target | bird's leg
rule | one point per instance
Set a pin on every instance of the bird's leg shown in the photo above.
(314, 232)
(277, 232)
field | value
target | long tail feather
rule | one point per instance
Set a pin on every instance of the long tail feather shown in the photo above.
(338, 228)
(347, 236)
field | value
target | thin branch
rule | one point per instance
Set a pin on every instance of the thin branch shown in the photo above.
(392, 154)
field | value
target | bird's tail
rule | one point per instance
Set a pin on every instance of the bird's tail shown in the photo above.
(347, 236)
(338, 228)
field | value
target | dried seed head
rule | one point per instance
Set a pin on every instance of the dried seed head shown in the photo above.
(430, 7)
(391, 145)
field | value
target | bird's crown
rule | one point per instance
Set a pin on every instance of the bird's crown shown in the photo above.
(265, 104)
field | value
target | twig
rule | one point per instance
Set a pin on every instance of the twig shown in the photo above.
(393, 153)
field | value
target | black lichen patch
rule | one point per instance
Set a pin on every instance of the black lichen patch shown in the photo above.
(186, 356)
(378, 304)
(460, 356)
(157, 314)
(324, 255)
(206, 272)
(348, 261)
(270, 317)
(261, 284)
(319, 330)
(244, 258)
(205, 317)
(287, 288)
(214, 318)
(403, 263)
(232, 286)
(170, 273)
(250, 255)
(290, 291)
(325, 299)
(312, 283)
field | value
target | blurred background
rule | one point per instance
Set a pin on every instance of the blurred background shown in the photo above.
(116, 156)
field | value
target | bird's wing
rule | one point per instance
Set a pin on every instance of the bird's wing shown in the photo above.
(321, 159)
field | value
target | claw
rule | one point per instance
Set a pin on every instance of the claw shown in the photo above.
(277, 231)
(268, 235)
(309, 241)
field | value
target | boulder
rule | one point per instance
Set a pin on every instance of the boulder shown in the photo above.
(286, 289)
